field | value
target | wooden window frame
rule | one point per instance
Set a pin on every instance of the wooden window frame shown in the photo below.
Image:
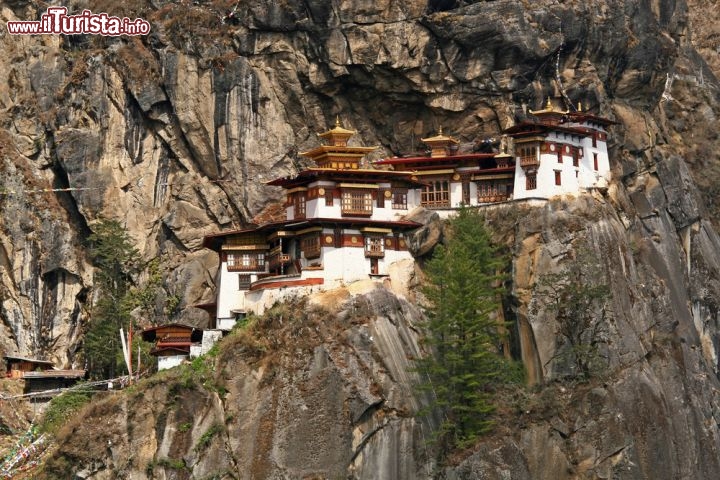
(399, 198)
(244, 282)
(374, 246)
(310, 246)
(358, 203)
(300, 205)
(436, 194)
(558, 177)
(531, 181)
(245, 261)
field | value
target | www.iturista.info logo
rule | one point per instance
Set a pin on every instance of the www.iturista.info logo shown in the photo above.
(56, 21)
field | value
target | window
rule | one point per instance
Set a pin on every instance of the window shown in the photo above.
(357, 202)
(594, 140)
(381, 199)
(466, 192)
(558, 179)
(311, 246)
(246, 261)
(329, 199)
(528, 156)
(299, 205)
(374, 247)
(244, 282)
(595, 161)
(560, 155)
(531, 181)
(576, 158)
(399, 199)
(436, 194)
(492, 191)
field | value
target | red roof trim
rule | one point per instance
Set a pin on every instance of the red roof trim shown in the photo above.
(440, 160)
(304, 223)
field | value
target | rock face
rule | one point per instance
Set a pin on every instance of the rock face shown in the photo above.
(319, 395)
(175, 133)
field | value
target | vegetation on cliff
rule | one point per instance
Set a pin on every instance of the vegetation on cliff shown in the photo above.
(465, 329)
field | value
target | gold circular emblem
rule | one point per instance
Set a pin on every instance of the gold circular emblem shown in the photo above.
(388, 194)
(402, 242)
(321, 191)
(413, 177)
(456, 177)
(353, 239)
(329, 239)
(552, 147)
(388, 242)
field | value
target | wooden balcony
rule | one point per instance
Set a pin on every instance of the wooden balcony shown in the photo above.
(252, 266)
(529, 161)
(374, 252)
(357, 212)
(276, 261)
(493, 198)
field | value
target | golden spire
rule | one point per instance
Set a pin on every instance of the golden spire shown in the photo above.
(579, 106)
(337, 121)
(549, 104)
(440, 131)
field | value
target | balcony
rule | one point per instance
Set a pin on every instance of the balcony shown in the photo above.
(277, 260)
(375, 253)
(247, 266)
(493, 198)
(529, 161)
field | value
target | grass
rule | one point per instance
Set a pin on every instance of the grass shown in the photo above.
(62, 409)
(208, 436)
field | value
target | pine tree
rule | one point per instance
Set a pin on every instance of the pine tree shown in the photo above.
(116, 259)
(464, 332)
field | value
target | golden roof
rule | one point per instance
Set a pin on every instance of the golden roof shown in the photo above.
(440, 138)
(549, 109)
(337, 134)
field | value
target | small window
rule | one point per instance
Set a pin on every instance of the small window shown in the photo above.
(244, 282)
(329, 198)
(594, 140)
(374, 247)
(399, 199)
(560, 155)
(576, 158)
(299, 205)
(595, 161)
(531, 181)
(311, 246)
(558, 179)
(381, 199)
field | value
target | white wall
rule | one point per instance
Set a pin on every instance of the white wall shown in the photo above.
(170, 361)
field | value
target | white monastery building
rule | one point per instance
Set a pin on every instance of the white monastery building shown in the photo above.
(346, 223)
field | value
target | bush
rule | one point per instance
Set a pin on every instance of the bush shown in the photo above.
(62, 408)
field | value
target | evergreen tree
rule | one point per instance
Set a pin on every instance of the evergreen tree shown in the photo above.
(464, 329)
(116, 259)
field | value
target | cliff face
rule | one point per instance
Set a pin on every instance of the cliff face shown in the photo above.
(176, 132)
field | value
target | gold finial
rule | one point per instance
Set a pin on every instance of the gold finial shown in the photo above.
(549, 103)
(440, 130)
(579, 106)
(337, 120)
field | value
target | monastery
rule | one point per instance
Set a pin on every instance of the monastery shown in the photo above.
(346, 222)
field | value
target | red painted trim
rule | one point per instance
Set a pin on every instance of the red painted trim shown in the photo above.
(264, 285)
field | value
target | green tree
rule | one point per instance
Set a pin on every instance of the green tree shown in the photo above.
(465, 331)
(116, 259)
